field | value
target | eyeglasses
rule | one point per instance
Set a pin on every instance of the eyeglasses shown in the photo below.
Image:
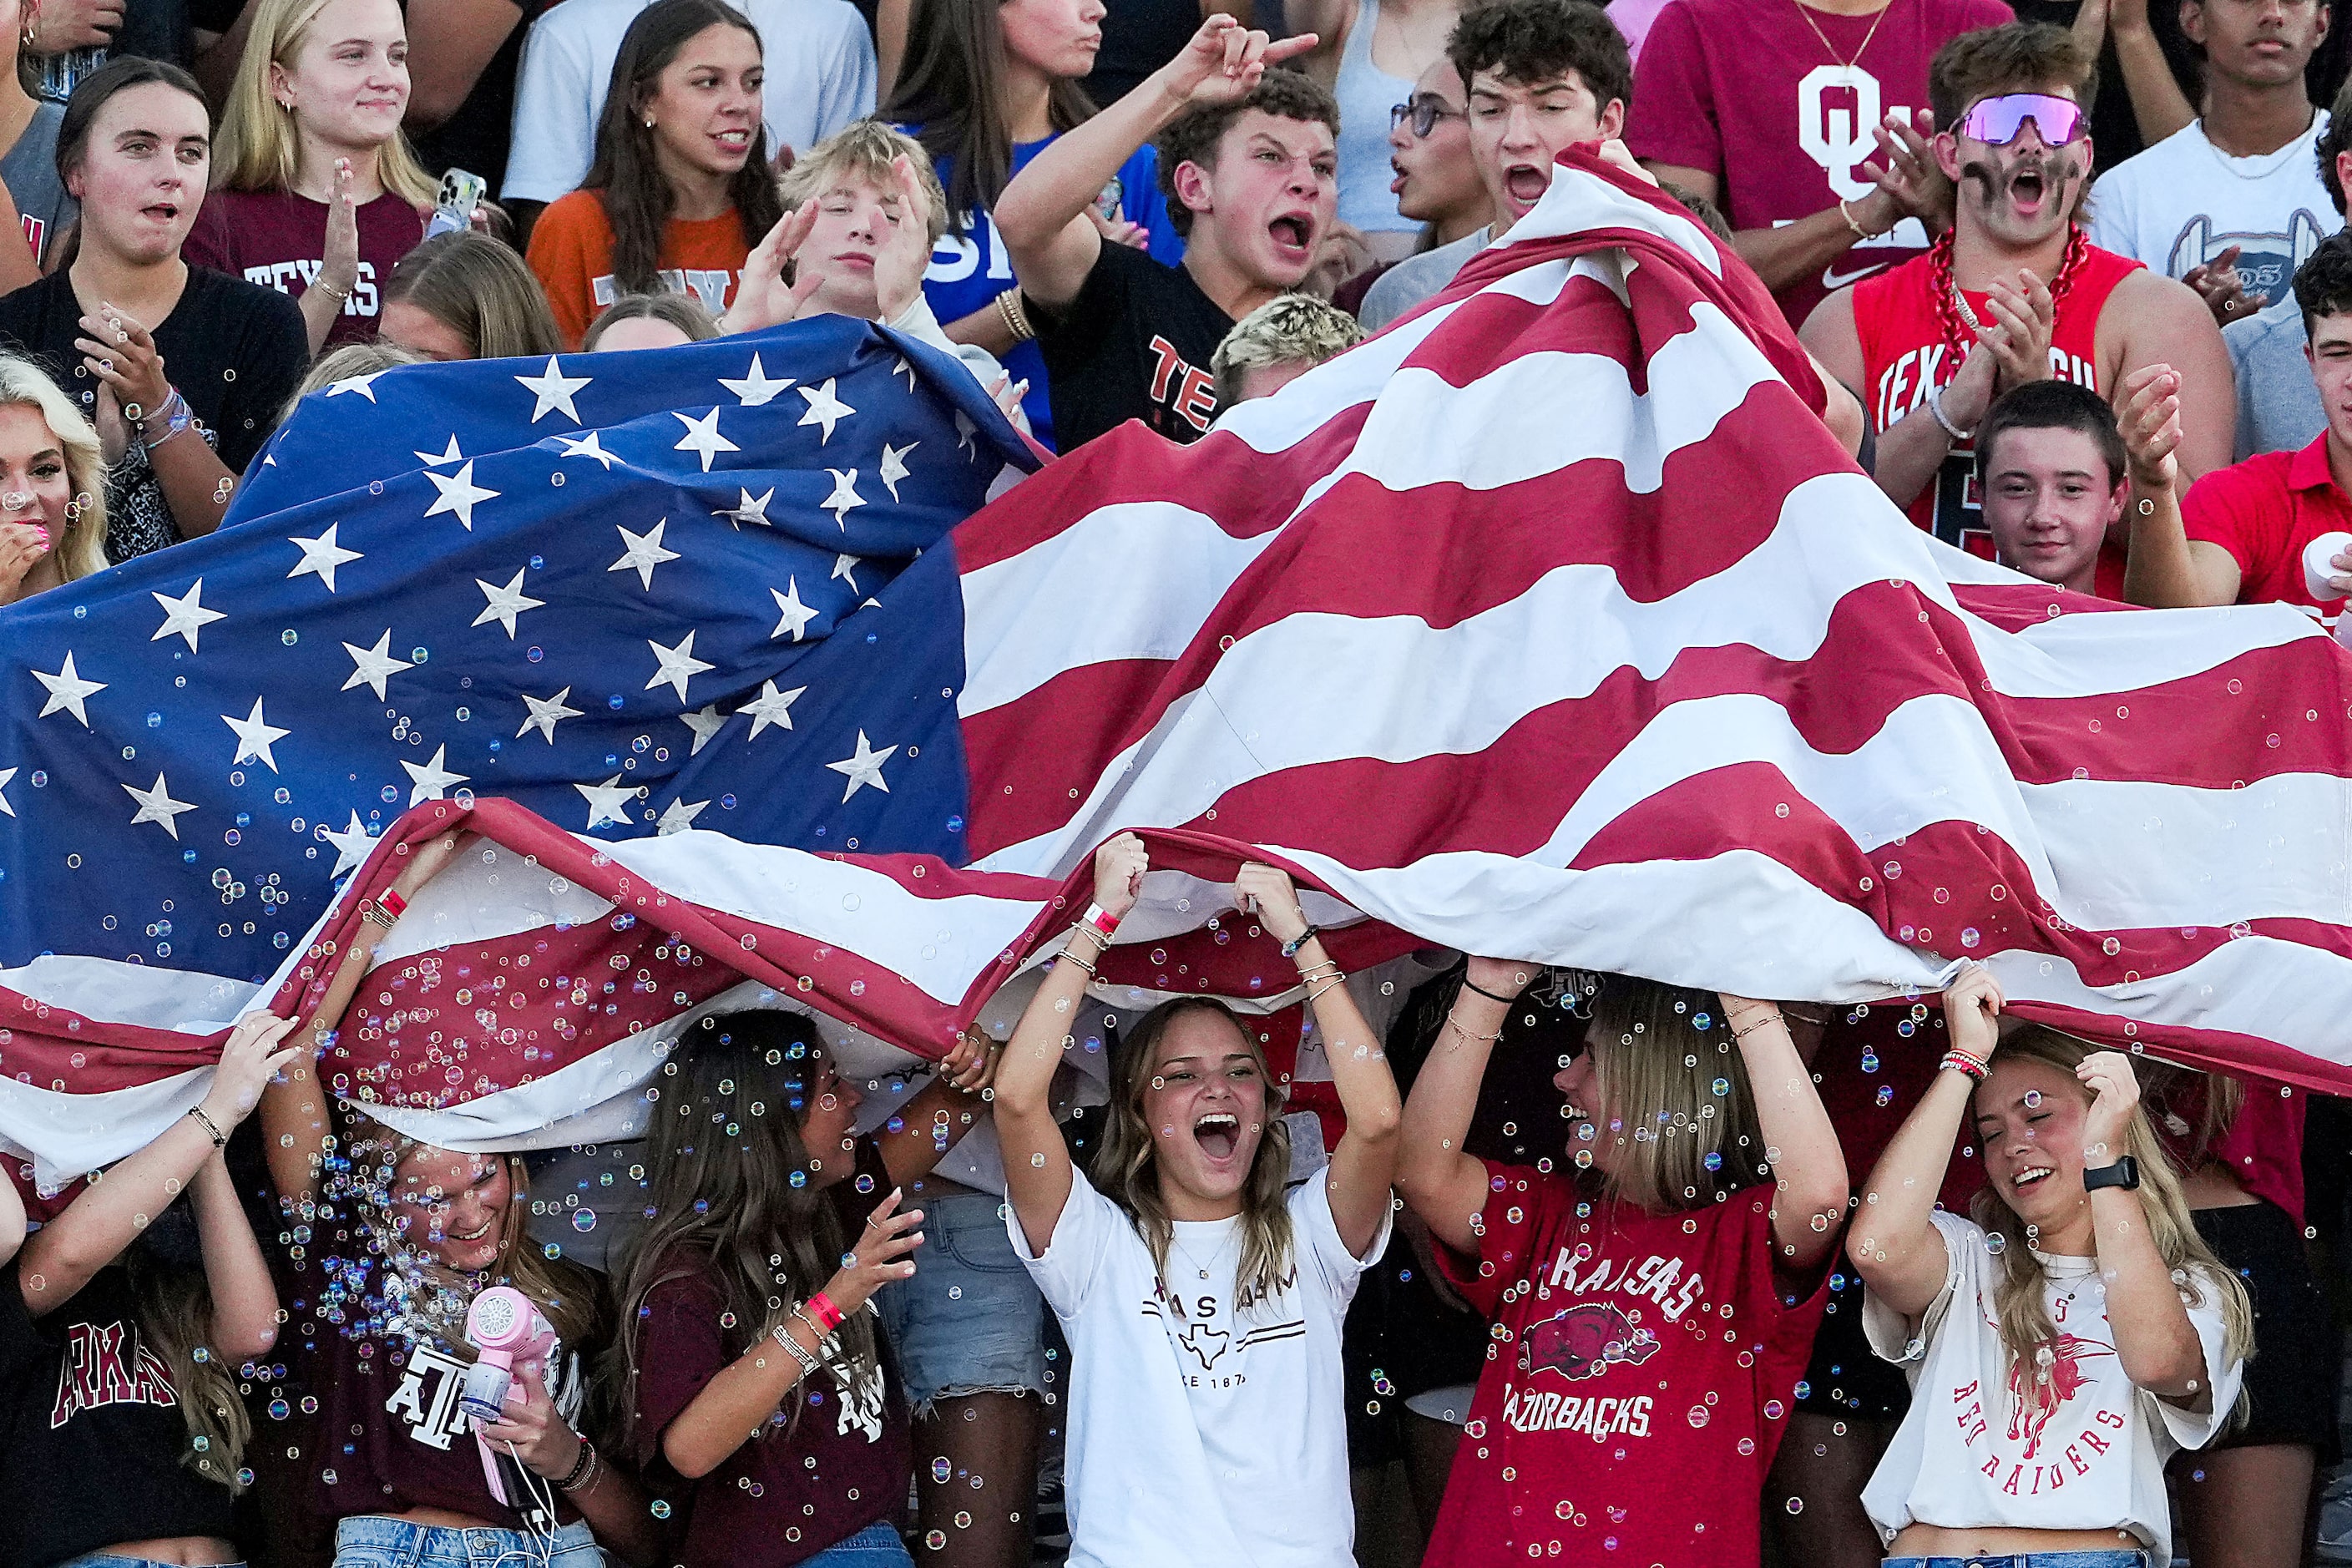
(1996, 121)
(1425, 113)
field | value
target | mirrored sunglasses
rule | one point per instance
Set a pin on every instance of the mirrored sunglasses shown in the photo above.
(1997, 120)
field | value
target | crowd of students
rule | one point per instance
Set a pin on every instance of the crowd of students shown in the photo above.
(1593, 1270)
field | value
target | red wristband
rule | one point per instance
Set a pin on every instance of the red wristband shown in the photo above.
(1103, 921)
(393, 902)
(828, 1315)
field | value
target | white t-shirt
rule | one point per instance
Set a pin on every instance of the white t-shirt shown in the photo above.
(2183, 202)
(1198, 1434)
(1970, 1454)
(822, 75)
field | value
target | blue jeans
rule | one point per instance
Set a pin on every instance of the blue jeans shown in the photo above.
(875, 1546)
(372, 1541)
(970, 1321)
(2134, 1559)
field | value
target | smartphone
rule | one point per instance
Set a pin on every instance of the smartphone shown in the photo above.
(453, 212)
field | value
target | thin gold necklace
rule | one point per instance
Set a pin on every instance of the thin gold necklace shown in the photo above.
(1807, 13)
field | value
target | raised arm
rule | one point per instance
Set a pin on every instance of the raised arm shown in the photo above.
(1365, 1162)
(1896, 1248)
(1809, 1207)
(12, 1218)
(934, 1119)
(1041, 215)
(1441, 1180)
(244, 1302)
(294, 1122)
(60, 1257)
(2155, 1340)
(1036, 1162)
(2164, 568)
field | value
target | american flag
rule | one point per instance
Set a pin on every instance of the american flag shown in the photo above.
(1548, 623)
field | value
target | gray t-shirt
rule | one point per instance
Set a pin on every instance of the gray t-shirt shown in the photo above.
(30, 172)
(2278, 402)
(1418, 278)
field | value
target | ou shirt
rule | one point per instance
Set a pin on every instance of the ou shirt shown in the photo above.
(1977, 1450)
(1628, 1346)
(970, 266)
(1783, 113)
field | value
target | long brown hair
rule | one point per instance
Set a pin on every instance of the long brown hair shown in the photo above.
(1127, 1170)
(2019, 1302)
(481, 291)
(950, 89)
(625, 176)
(735, 1196)
(1673, 1097)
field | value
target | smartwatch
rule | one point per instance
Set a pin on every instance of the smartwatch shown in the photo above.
(2124, 1173)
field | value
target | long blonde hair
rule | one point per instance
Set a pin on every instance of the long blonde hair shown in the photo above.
(81, 549)
(1673, 1096)
(2020, 1304)
(257, 146)
(1127, 1170)
(174, 1315)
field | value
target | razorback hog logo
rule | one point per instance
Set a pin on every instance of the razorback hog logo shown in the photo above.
(1584, 1341)
(2029, 1411)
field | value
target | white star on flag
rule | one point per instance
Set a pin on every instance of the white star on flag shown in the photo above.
(771, 707)
(824, 408)
(460, 494)
(506, 602)
(844, 498)
(371, 667)
(702, 436)
(903, 368)
(705, 723)
(846, 566)
(449, 454)
(965, 431)
(68, 691)
(157, 805)
(893, 465)
(255, 735)
(362, 384)
(546, 712)
(795, 613)
(755, 389)
(321, 555)
(673, 666)
(185, 615)
(607, 802)
(591, 448)
(353, 846)
(6, 774)
(750, 509)
(679, 818)
(432, 780)
(645, 553)
(863, 767)
(553, 389)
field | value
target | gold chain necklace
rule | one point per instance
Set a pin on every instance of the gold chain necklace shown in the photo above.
(1807, 13)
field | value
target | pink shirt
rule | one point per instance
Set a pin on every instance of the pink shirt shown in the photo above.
(1747, 89)
(1634, 18)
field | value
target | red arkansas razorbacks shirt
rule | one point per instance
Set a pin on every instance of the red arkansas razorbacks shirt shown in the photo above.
(1628, 1348)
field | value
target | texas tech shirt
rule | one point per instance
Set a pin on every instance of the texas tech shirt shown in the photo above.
(1134, 344)
(1636, 1388)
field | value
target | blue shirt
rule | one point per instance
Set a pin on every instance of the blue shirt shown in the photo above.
(971, 268)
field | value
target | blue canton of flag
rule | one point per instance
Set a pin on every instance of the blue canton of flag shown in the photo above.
(634, 592)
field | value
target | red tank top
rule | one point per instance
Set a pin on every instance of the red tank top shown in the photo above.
(1904, 356)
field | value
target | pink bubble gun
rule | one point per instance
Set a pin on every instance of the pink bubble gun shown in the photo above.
(513, 1340)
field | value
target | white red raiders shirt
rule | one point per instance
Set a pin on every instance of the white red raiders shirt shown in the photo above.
(1201, 1433)
(2087, 1455)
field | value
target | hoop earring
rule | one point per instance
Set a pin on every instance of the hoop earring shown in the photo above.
(25, 39)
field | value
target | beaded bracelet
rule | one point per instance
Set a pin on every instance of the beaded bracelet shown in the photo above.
(779, 1334)
(1961, 1062)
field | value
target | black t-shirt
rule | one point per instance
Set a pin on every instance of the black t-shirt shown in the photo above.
(93, 1431)
(1139, 36)
(1134, 344)
(235, 349)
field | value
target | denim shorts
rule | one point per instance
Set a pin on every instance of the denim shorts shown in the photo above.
(374, 1541)
(2130, 1559)
(875, 1546)
(970, 1321)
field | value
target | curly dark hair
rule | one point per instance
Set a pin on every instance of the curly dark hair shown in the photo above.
(2322, 284)
(2024, 57)
(1528, 41)
(2335, 140)
(1281, 92)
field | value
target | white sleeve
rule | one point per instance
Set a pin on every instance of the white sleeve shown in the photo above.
(851, 82)
(552, 139)
(1067, 1270)
(920, 321)
(1889, 1332)
(2112, 224)
(2195, 1428)
(1316, 1234)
